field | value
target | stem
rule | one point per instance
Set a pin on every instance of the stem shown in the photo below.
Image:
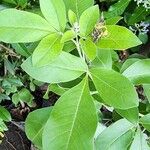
(9, 51)
(78, 47)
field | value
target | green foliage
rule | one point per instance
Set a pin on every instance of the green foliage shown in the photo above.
(72, 44)
(47, 52)
(64, 68)
(107, 82)
(139, 141)
(22, 26)
(36, 121)
(68, 123)
(117, 9)
(118, 135)
(86, 26)
(141, 71)
(55, 13)
(119, 38)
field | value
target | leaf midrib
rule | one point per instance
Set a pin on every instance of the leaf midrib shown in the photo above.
(23, 28)
(75, 116)
(109, 85)
(119, 137)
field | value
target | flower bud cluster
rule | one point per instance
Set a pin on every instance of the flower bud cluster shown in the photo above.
(141, 28)
(145, 3)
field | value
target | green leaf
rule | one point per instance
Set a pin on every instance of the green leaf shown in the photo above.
(10, 1)
(114, 89)
(88, 20)
(139, 72)
(4, 97)
(73, 121)
(25, 95)
(21, 49)
(143, 37)
(131, 114)
(3, 126)
(89, 48)
(22, 27)
(145, 121)
(55, 88)
(72, 17)
(9, 66)
(139, 141)
(67, 36)
(117, 136)
(118, 38)
(35, 123)
(47, 51)
(69, 46)
(138, 15)
(147, 91)
(117, 9)
(78, 6)
(128, 63)
(55, 13)
(15, 99)
(4, 114)
(103, 59)
(113, 21)
(64, 68)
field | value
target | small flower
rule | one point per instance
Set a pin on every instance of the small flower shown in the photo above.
(141, 28)
(76, 27)
(145, 3)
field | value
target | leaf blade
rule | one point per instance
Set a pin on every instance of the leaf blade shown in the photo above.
(55, 13)
(120, 96)
(65, 67)
(67, 128)
(47, 50)
(118, 38)
(22, 27)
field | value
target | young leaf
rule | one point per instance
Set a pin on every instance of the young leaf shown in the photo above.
(4, 114)
(89, 48)
(78, 6)
(139, 72)
(118, 38)
(131, 114)
(139, 141)
(67, 36)
(35, 123)
(72, 122)
(47, 51)
(72, 17)
(114, 89)
(55, 13)
(117, 136)
(88, 20)
(65, 67)
(103, 59)
(25, 95)
(22, 27)
(15, 99)
(145, 121)
(117, 9)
